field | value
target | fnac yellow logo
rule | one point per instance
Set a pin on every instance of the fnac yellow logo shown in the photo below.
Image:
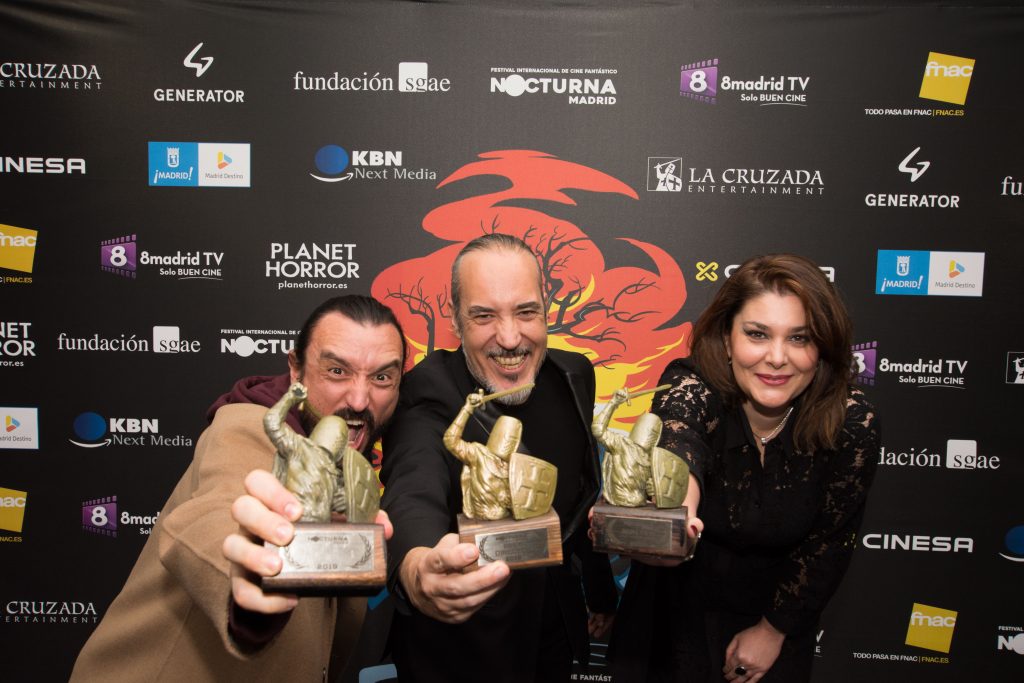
(12, 509)
(946, 78)
(17, 248)
(931, 628)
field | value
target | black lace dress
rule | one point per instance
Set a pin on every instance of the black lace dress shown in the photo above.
(777, 539)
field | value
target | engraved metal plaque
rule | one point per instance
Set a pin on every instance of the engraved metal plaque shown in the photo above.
(342, 550)
(628, 532)
(513, 546)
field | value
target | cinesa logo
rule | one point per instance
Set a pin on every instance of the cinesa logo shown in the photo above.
(935, 544)
(46, 165)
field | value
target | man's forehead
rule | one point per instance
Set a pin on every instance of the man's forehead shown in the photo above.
(341, 336)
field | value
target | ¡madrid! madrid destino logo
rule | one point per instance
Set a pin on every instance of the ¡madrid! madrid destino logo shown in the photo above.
(19, 428)
(199, 164)
(930, 273)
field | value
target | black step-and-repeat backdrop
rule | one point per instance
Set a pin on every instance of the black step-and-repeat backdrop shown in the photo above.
(182, 182)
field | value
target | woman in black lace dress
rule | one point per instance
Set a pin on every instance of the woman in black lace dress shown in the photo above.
(782, 451)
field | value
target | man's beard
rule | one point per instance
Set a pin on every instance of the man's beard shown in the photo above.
(514, 399)
(309, 421)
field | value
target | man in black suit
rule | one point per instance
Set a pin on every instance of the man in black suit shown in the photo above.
(456, 622)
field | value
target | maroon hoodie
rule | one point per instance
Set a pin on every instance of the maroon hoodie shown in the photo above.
(263, 390)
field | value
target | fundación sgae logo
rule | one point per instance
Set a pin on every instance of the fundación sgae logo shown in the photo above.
(12, 513)
(961, 454)
(166, 339)
(17, 252)
(19, 428)
(199, 164)
(413, 77)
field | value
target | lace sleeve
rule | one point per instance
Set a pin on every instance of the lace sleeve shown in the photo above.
(818, 563)
(688, 416)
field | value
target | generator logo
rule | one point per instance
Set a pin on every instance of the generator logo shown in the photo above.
(12, 513)
(16, 343)
(413, 77)
(334, 164)
(121, 256)
(931, 628)
(627, 318)
(199, 164)
(1013, 545)
(314, 265)
(585, 86)
(200, 64)
(914, 170)
(247, 342)
(664, 174)
(49, 76)
(93, 430)
(19, 428)
(99, 516)
(930, 273)
(946, 78)
(42, 165)
(1015, 367)
(17, 251)
(702, 81)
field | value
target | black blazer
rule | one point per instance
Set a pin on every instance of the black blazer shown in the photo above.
(422, 495)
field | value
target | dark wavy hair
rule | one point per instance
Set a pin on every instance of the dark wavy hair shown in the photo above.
(357, 308)
(823, 404)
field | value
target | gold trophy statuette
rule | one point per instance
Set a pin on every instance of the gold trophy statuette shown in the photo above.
(328, 477)
(506, 495)
(644, 488)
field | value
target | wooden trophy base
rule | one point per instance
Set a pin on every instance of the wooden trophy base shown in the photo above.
(534, 542)
(645, 530)
(331, 559)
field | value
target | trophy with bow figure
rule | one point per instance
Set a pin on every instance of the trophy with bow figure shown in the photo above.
(330, 479)
(644, 488)
(506, 495)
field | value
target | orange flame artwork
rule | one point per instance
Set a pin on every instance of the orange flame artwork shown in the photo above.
(623, 318)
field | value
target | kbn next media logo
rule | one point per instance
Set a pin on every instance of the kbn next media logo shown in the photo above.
(1013, 545)
(199, 164)
(587, 86)
(16, 343)
(121, 256)
(199, 62)
(931, 373)
(701, 81)
(335, 164)
(166, 339)
(961, 454)
(946, 78)
(914, 168)
(929, 273)
(99, 517)
(413, 77)
(93, 430)
(19, 428)
(17, 252)
(12, 513)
